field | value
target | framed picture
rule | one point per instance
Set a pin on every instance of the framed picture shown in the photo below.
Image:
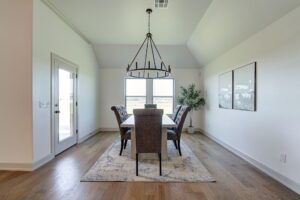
(225, 90)
(244, 87)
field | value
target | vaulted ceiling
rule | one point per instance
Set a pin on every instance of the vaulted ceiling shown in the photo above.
(204, 28)
(178, 56)
(229, 22)
(125, 21)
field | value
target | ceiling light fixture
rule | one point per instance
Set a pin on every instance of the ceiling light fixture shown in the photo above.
(148, 71)
(161, 3)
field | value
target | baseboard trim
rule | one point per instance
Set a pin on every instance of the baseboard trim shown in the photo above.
(26, 166)
(16, 166)
(39, 163)
(196, 130)
(43, 161)
(46, 159)
(262, 167)
(109, 130)
(117, 130)
(84, 138)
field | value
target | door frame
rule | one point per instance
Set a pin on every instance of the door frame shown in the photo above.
(76, 67)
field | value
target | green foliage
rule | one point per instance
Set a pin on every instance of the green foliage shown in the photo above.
(191, 97)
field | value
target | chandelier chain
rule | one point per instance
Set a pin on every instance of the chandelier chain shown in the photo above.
(149, 22)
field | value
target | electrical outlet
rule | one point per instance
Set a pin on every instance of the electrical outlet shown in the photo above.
(283, 158)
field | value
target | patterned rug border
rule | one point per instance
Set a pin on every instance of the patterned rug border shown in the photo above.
(115, 142)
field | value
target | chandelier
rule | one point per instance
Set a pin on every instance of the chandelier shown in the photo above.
(149, 69)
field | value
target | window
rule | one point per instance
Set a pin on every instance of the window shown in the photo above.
(135, 93)
(163, 94)
(157, 91)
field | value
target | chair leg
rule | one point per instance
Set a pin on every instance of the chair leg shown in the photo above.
(125, 144)
(175, 144)
(122, 144)
(137, 164)
(179, 147)
(160, 172)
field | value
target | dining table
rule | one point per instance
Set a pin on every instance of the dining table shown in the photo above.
(167, 122)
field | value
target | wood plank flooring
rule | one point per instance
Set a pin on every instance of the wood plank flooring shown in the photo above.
(60, 179)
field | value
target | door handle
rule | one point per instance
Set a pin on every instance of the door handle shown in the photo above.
(57, 112)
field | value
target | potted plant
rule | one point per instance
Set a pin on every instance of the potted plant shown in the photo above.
(191, 97)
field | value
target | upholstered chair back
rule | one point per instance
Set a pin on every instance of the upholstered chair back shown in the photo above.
(175, 113)
(121, 115)
(181, 116)
(151, 106)
(148, 124)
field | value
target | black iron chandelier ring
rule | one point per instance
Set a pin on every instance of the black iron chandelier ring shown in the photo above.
(148, 71)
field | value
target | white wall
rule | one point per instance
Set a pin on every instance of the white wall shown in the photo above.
(112, 92)
(274, 128)
(15, 82)
(50, 34)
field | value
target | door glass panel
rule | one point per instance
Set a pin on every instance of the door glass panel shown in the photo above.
(66, 104)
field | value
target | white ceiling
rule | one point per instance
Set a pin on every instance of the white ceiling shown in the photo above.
(209, 28)
(178, 56)
(125, 21)
(229, 22)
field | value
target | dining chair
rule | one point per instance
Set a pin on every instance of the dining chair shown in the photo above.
(173, 117)
(148, 124)
(125, 133)
(175, 113)
(175, 134)
(150, 106)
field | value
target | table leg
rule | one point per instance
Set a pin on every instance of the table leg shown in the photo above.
(164, 148)
(133, 144)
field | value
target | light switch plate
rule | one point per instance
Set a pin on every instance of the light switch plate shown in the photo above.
(43, 104)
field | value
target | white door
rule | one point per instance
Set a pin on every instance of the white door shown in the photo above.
(64, 105)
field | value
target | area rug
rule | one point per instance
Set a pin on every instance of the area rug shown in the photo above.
(112, 167)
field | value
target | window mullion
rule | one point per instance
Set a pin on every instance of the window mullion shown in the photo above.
(149, 91)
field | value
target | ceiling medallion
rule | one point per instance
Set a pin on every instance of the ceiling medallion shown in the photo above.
(149, 69)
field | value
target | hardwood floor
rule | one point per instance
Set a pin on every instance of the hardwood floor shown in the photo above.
(60, 179)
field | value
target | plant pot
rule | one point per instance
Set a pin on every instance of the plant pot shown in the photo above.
(190, 129)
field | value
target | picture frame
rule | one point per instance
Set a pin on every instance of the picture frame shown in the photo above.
(244, 87)
(226, 90)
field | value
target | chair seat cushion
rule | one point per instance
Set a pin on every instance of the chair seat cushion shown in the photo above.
(172, 135)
